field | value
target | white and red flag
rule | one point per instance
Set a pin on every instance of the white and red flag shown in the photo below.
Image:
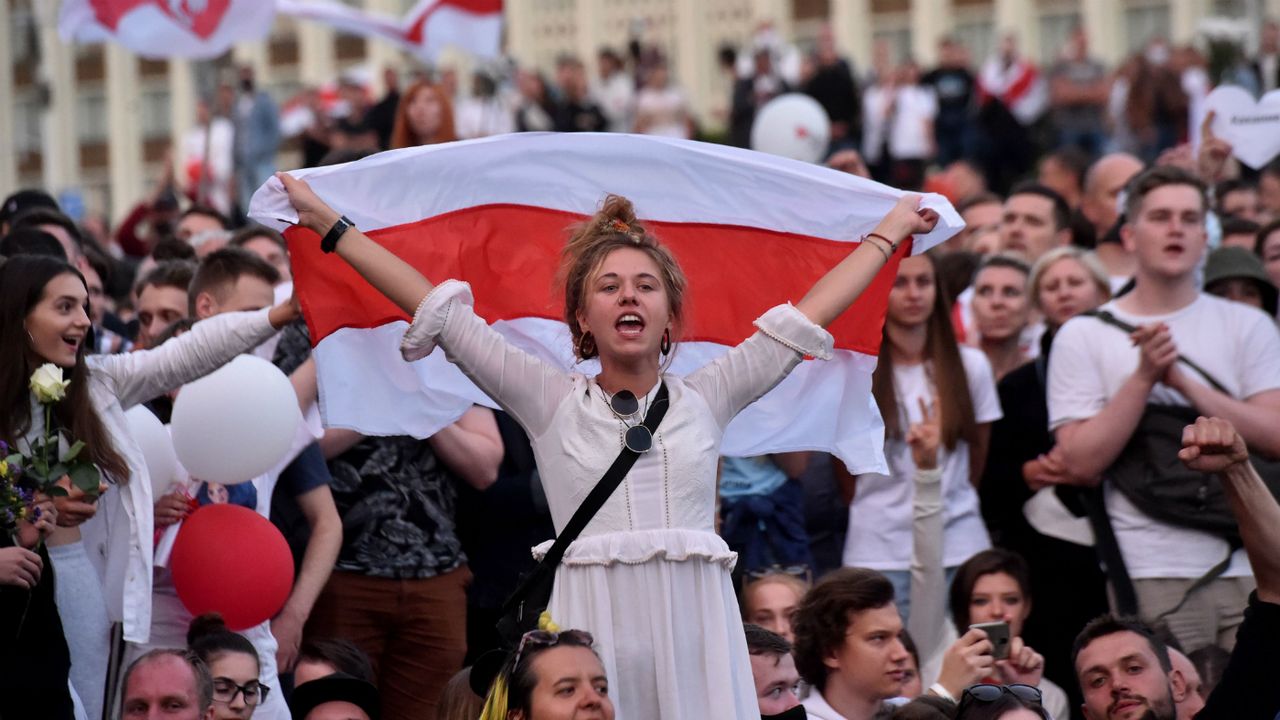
(473, 26)
(750, 230)
(167, 28)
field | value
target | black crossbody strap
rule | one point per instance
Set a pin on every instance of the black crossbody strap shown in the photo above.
(608, 483)
(1116, 322)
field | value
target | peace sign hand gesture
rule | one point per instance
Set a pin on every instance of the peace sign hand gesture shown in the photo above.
(925, 436)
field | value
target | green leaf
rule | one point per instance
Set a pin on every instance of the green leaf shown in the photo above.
(73, 451)
(86, 477)
(55, 491)
(57, 471)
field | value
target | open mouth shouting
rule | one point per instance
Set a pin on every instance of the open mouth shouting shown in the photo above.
(630, 326)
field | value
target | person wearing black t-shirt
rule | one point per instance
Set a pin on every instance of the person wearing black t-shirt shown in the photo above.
(954, 85)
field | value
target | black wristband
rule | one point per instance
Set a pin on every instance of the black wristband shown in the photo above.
(330, 241)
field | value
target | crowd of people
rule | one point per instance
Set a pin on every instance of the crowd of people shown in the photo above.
(1080, 392)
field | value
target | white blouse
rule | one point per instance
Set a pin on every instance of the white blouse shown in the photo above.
(576, 436)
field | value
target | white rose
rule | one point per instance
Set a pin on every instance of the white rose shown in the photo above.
(47, 383)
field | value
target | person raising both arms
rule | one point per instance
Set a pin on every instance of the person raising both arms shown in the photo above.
(648, 576)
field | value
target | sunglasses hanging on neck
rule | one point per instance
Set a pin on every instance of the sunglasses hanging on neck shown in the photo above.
(637, 438)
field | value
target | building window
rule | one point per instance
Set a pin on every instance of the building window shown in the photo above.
(91, 115)
(1144, 22)
(155, 112)
(22, 34)
(978, 37)
(1055, 32)
(26, 123)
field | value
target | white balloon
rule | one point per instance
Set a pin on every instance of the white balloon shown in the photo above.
(236, 423)
(157, 448)
(794, 126)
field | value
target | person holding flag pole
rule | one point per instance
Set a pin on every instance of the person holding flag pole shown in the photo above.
(648, 576)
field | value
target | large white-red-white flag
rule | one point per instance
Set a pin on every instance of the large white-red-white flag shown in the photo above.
(473, 26)
(750, 230)
(167, 28)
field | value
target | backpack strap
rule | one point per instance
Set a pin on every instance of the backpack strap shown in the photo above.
(1116, 322)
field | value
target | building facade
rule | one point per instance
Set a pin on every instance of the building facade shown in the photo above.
(94, 124)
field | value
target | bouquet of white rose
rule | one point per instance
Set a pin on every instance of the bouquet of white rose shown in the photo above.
(53, 456)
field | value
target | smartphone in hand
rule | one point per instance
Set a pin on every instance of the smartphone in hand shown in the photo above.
(998, 634)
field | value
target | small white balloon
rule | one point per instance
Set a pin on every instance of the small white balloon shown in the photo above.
(236, 423)
(157, 448)
(794, 126)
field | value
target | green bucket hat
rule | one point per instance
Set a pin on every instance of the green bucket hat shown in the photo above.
(1236, 262)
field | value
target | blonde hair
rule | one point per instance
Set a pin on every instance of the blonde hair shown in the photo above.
(798, 586)
(613, 227)
(457, 701)
(1087, 259)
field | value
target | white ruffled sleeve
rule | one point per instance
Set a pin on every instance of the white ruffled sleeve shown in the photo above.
(784, 336)
(525, 386)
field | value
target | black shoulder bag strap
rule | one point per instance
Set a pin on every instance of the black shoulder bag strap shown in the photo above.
(521, 610)
(1116, 322)
(1108, 547)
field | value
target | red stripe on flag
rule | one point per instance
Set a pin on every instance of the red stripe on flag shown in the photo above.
(474, 7)
(509, 254)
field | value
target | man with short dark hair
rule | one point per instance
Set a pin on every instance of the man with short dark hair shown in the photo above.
(773, 669)
(1239, 199)
(1035, 220)
(848, 645)
(1102, 379)
(162, 299)
(1126, 672)
(231, 279)
(168, 683)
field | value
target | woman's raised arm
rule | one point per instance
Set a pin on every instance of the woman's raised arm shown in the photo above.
(836, 291)
(399, 281)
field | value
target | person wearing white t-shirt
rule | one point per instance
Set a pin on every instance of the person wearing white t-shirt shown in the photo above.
(898, 118)
(921, 365)
(1101, 380)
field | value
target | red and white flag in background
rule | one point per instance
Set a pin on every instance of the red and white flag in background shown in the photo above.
(167, 28)
(750, 230)
(473, 26)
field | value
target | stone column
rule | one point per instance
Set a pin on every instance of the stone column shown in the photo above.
(8, 154)
(851, 22)
(1020, 18)
(930, 20)
(60, 141)
(124, 132)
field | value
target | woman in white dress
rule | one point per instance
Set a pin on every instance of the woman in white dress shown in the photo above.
(648, 577)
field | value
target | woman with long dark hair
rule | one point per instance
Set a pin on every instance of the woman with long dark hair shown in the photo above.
(102, 549)
(920, 366)
(995, 586)
(648, 576)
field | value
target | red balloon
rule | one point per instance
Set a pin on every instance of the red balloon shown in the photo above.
(230, 560)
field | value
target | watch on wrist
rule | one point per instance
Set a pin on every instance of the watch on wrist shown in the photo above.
(330, 241)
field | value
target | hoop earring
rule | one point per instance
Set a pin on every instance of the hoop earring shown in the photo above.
(665, 347)
(586, 346)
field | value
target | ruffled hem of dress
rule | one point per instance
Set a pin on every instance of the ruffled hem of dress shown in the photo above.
(789, 326)
(636, 547)
(431, 317)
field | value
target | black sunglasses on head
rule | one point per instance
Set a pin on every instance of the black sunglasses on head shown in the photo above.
(987, 693)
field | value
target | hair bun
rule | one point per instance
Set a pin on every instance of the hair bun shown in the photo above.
(616, 215)
(204, 626)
